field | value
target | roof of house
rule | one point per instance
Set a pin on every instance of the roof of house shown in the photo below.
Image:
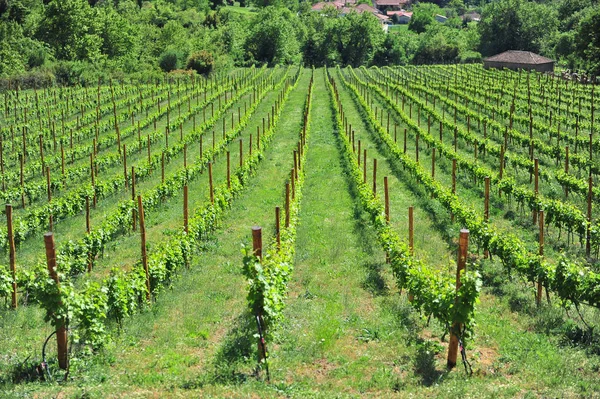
(440, 17)
(401, 13)
(472, 15)
(519, 57)
(366, 8)
(380, 3)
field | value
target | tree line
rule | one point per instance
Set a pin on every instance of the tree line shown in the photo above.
(75, 41)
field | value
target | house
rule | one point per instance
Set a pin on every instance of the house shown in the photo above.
(440, 18)
(402, 17)
(515, 59)
(387, 5)
(367, 8)
(338, 5)
(471, 16)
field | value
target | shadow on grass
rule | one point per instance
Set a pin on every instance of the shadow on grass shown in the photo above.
(237, 352)
(424, 365)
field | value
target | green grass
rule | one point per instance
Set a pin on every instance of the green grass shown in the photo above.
(347, 330)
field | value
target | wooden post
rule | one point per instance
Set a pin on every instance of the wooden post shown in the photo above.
(463, 246)
(374, 177)
(88, 227)
(49, 188)
(162, 166)
(566, 169)
(241, 153)
(125, 165)
(149, 159)
(386, 199)
(228, 171)
(257, 241)
(277, 226)
(417, 147)
(42, 152)
(133, 216)
(61, 330)
(588, 238)
(433, 163)
(11, 248)
(411, 228)
(538, 297)
(22, 182)
(185, 155)
(365, 166)
(358, 152)
(287, 204)
(405, 140)
(292, 181)
(536, 186)
(144, 255)
(210, 183)
(486, 208)
(185, 209)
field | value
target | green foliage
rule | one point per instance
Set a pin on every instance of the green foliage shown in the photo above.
(420, 20)
(433, 294)
(201, 62)
(515, 25)
(69, 27)
(268, 277)
(273, 37)
(588, 40)
(170, 60)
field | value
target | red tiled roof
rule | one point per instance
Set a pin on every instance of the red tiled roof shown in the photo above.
(519, 57)
(400, 13)
(366, 8)
(380, 3)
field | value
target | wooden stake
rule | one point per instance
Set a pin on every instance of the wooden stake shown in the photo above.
(133, 216)
(49, 188)
(411, 241)
(365, 166)
(88, 226)
(185, 209)
(486, 208)
(277, 226)
(538, 297)
(433, 163)
(374, 177)
(463, 246)
(162, 166)
(144, 255)
(125, 166)
(228, 171)
(210, 183)
(257, 242)
(287, 204)
(11, 248)
(61, 330)
(588, 238)
(535, 177)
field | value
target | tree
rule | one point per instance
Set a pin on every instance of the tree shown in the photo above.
(422, 17)
(358, 36)
(69, 27)
(516, 25)
(201, 62)
(588, 40)
(273, 37)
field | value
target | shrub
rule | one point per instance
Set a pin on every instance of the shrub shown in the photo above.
(169, 60)
(201, 62)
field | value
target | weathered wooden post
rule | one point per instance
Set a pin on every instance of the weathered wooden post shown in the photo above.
(61, 324)
(463, 247)
(11, 248)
